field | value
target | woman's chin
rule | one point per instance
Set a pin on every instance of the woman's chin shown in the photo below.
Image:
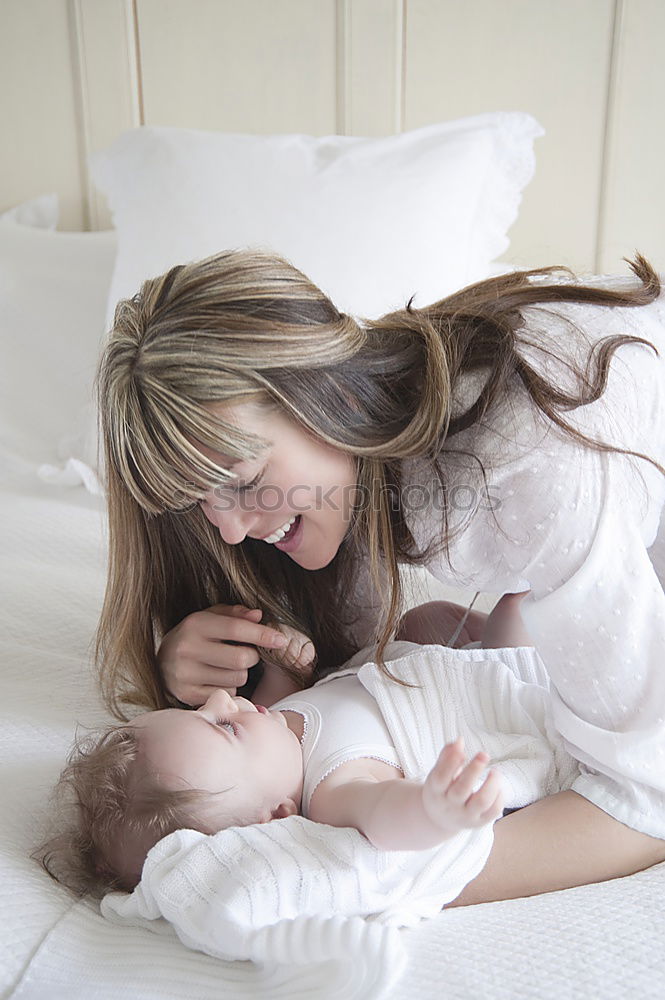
(311, 556)
(317, 560)
(307, 562)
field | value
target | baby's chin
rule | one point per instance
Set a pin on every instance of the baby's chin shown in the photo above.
(279, 716)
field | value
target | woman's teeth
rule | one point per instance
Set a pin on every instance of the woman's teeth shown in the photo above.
(280, 532)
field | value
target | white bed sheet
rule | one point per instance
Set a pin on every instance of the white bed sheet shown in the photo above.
(603, 940)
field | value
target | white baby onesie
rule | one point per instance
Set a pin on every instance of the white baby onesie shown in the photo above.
(497, 700)
(342, 722)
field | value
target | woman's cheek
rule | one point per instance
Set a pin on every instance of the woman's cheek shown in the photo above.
(205, 507)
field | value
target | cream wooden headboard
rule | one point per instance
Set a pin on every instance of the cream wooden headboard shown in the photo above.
(75, 73)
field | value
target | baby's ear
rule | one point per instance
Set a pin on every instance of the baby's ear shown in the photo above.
(284, 809)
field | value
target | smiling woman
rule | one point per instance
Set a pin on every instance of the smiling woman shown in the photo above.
(179, 410)
(240, 360)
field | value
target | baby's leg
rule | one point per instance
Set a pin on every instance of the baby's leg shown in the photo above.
(504, 626)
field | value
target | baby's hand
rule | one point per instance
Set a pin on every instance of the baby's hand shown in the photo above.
(299, 653)
(448, 797)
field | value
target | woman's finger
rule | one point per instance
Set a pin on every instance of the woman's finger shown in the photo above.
(222, 656)
(237, 628)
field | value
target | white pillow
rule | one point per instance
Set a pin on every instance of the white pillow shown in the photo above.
(41, 212)
(372, 221)
(53, 292)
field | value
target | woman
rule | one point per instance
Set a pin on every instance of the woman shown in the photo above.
(486, 437)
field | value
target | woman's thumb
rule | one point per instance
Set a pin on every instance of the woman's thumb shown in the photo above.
(254, 613)
(237, 611)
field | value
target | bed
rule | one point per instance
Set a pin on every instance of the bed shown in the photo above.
(67, 256)
(600, 940)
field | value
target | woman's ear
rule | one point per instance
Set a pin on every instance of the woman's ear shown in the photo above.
(284, 809)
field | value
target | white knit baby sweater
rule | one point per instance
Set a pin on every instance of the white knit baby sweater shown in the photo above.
(295, 891)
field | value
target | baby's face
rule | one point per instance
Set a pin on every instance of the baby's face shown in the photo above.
(228, 746)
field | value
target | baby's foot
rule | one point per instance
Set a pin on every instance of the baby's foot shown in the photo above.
(448, 797)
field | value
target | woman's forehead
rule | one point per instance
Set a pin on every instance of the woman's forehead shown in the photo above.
(245, 417)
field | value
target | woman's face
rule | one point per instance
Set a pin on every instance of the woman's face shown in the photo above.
(298, 477)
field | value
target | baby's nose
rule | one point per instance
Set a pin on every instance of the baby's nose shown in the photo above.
(221, 701)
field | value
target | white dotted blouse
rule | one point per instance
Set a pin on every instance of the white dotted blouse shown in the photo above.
(573, 525)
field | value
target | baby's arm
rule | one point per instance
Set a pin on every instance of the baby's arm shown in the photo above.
(404, 815)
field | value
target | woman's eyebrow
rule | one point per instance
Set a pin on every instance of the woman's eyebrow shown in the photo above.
(240, 482)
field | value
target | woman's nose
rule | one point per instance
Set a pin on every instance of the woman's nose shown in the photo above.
(233, 525)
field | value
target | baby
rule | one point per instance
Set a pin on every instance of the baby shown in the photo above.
(232, 762)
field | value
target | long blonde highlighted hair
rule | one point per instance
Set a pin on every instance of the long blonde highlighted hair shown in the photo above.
(247, 325)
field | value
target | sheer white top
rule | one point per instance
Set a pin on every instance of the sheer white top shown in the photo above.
(574, 525)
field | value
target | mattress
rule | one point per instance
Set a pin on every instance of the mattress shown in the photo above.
(599, 940)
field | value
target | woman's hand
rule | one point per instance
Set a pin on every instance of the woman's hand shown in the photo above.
(214, 648)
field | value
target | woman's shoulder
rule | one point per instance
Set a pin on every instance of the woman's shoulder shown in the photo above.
(558, 340)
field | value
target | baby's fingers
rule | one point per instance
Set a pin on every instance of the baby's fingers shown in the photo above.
(464, 783)
(487, 803)
(449, 762)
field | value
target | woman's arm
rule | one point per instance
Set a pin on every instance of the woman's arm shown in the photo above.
(559, 842)
(504, 626)
(437, 621)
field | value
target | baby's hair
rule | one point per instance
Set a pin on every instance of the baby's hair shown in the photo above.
(111, 810)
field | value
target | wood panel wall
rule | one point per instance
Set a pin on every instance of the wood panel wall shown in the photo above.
(76, 73)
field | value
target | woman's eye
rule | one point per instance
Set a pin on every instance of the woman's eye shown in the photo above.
(250, 486)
